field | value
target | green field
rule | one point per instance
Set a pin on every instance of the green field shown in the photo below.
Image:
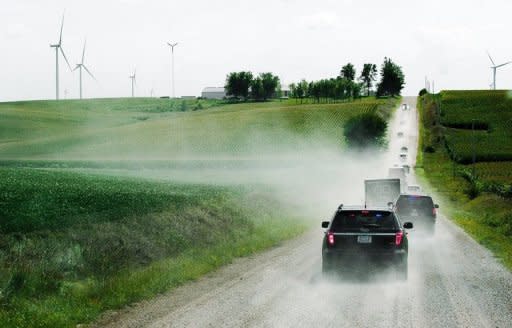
(73, 245)
(107, 202)
(495, 172)
(491, 114)
(75, 131)
(479, 197)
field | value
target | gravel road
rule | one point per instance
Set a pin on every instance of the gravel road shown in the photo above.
(453, 282)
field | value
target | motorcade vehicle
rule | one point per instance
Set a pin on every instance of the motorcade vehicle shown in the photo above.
(418, 209)
(381, 192)
(360, 239)
(413, 189)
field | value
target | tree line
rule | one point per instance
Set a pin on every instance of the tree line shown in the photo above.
(345, 87)
(244, 85)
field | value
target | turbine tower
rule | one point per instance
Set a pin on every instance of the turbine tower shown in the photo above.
(172, 45)
(82, 65)
(132, 77)
(494, 67)
(58, 47)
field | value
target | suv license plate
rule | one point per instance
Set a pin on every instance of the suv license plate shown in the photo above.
(364, 239)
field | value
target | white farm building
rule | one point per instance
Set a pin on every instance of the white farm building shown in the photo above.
(213, 93)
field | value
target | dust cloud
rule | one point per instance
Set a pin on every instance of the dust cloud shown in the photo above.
(310, 171)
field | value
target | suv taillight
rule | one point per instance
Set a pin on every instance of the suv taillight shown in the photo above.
(398, 237)
(434, 212)
(330, 239)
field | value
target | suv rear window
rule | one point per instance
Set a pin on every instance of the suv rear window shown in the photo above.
(354, 221)
(408, 203)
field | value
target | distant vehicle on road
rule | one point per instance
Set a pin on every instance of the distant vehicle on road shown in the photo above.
(400, 134)
(413, 189)
(405, 106)
(403, 157)
(381, 192)
(418, 209)
(357, 237)
(404, 149)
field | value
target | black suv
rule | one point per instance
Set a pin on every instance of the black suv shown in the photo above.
(418, 209)
(358, 236)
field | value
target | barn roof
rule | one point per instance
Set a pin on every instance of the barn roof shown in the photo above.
(214, 89)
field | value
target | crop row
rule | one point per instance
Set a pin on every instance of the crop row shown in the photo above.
(232, 129)
(500, 172)
(489, 113)
(34, 200)
(462, 144)
(491, 108)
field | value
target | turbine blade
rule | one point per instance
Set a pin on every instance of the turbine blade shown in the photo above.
(63, 54)
(504, 64)
(61, 27)
(83, 52)
(492, 61)
(76, 67)
(85, 67)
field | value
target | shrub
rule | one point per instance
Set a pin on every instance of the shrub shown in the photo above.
(423, 92)
(365, 130)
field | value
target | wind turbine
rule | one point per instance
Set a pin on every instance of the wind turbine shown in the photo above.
(172, 45)
(132, 77)
(57, 47)
(82, 65)
(494, 67)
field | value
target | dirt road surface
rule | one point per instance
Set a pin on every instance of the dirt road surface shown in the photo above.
(453, 282)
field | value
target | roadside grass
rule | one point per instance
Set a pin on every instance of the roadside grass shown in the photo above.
(109, 241)
(485, 216)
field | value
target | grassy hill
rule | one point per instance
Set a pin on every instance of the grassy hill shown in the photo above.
(478, 197)
(78, 235)
(135, 129)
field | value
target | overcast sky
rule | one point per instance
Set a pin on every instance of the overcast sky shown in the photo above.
(443, 40)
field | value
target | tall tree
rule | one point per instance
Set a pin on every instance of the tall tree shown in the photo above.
(237, 84)
(293, 90)
(301, 89)
(392, 79)
(368, 75)
(257, 91)
(231, 84)
(348, 72)
(270, 83)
